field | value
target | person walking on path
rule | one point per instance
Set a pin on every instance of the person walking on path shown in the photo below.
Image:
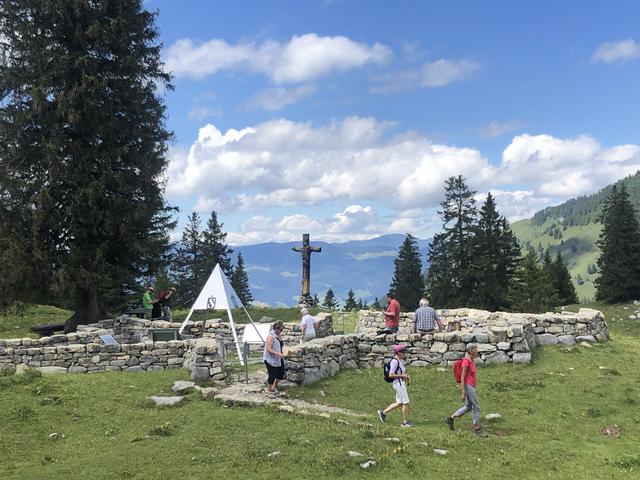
(468, 389)
(308, 326)
(392, 315)
(426, 318)
(398, 372)
(147, 303)
(166, 304)
(274, 358)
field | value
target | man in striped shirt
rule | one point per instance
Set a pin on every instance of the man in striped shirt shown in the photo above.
(425, 318)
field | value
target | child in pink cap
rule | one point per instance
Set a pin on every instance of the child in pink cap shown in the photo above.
(398, 372)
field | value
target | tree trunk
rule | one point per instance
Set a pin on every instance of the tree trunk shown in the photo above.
(89, 309)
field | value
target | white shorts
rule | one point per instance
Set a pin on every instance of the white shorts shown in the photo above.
(401, 393)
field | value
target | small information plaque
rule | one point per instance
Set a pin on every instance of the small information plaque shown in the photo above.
(108, 340)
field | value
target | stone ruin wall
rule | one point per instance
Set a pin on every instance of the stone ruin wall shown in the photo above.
(500, 337)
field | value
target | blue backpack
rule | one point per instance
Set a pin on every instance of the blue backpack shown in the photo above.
(386, 370)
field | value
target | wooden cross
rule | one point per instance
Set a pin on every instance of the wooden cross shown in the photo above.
(306, 251)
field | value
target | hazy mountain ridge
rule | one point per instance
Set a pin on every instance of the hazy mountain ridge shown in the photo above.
(366, 266)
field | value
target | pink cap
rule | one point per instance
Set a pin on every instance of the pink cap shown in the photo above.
(399, 348)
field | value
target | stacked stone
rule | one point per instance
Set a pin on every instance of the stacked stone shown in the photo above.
(320, 358)
(127, 329)
(203, 360)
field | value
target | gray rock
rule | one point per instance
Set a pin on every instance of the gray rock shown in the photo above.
(136, 368)
(585, 338)
(419, 363)
(182, 386)
(522, 358)
(440, 451)
(166, 401)
(496, 357)
(21, 369)
(546, 339)
(209, 392)
(481, 338)
(77, 369)
(199, 373)
(567, 340)
(439, 347)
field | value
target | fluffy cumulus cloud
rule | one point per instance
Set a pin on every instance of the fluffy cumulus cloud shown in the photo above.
(439, 73)
(301, 59)
(284, 163)
(620, 51)
(357, 165)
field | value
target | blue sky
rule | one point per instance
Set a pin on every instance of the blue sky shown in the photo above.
(343, 118)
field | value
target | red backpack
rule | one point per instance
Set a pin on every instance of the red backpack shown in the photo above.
(457, 370)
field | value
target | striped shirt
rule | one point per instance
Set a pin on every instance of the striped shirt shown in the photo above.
(426, 318)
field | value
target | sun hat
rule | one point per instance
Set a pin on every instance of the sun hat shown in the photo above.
(399, 348)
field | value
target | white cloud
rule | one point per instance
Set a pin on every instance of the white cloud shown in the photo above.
(272, 99)
(301, 59)
(496, 129)
(620, 51)
(284, 163)
(431, 75)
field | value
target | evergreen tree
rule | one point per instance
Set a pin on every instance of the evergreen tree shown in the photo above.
(82, 149)
(529, 289)
(350, 303)
(562, 283)
(240, 281)
(215, 248)
(619, 242)
(548, 280)
(407, 283)
(330, 301)
(376, 304)
(361, 304)
(316, 301)
(495, 253)
(188, 271)
(450, 277)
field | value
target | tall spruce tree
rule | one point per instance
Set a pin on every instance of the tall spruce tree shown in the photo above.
(495, 258)
(548, 278)
(375, 305)
(240, 281)
(330, 301)
(350, 303)
(407, 283)
(565, 290)
(82, 148)
(188, 262)
(450, 277)
(619, 242)
(215, 248)
(530, 290)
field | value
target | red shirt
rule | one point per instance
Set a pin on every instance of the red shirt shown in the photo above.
(470, 377)
(392, 315)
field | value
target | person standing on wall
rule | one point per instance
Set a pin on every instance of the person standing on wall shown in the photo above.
(391, 316)
(274, 358)
(147, 303)
(166, 304)
(308, 326)
(426, 318)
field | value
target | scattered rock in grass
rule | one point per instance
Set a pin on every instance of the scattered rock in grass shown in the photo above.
(368, 463)
(612, 431)
(424, 443)
(602, 368)
(165, 401)
(322, 393)
(352, 453)
(55, 436)
(492, 416)
(273, 454)
(585, 344)
(632, 317)
(440, 451)
(286, 408)
(52, 370)
(182, 387)
(208, 393)
(392, 439)
(21, 369)
(561, 375)
(440, 369)
(571, 368)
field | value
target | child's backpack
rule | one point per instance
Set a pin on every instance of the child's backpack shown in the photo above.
(457, 370)
(386, 369)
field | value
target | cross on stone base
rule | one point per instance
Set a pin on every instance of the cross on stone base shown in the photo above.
(305, 297)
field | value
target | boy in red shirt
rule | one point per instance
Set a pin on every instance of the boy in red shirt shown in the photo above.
(391, 316)
(468, 386)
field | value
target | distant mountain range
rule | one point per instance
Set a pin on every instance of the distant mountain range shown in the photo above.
(366, 266)
(572, 228)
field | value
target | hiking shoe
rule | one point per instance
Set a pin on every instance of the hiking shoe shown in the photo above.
(381, 416)
(406, 424)
(480, 433)
(449, 421)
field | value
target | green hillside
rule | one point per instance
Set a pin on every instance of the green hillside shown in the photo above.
(572, 228)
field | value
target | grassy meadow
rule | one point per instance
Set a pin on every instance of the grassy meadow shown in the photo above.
(553, 412)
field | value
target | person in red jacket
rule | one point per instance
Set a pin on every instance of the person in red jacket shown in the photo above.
(392, 315)
(468, 396)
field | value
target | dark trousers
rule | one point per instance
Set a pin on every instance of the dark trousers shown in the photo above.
(275, 373)
(387, 330)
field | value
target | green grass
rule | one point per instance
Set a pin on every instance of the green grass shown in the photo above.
(552, 415)
(15, 322)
